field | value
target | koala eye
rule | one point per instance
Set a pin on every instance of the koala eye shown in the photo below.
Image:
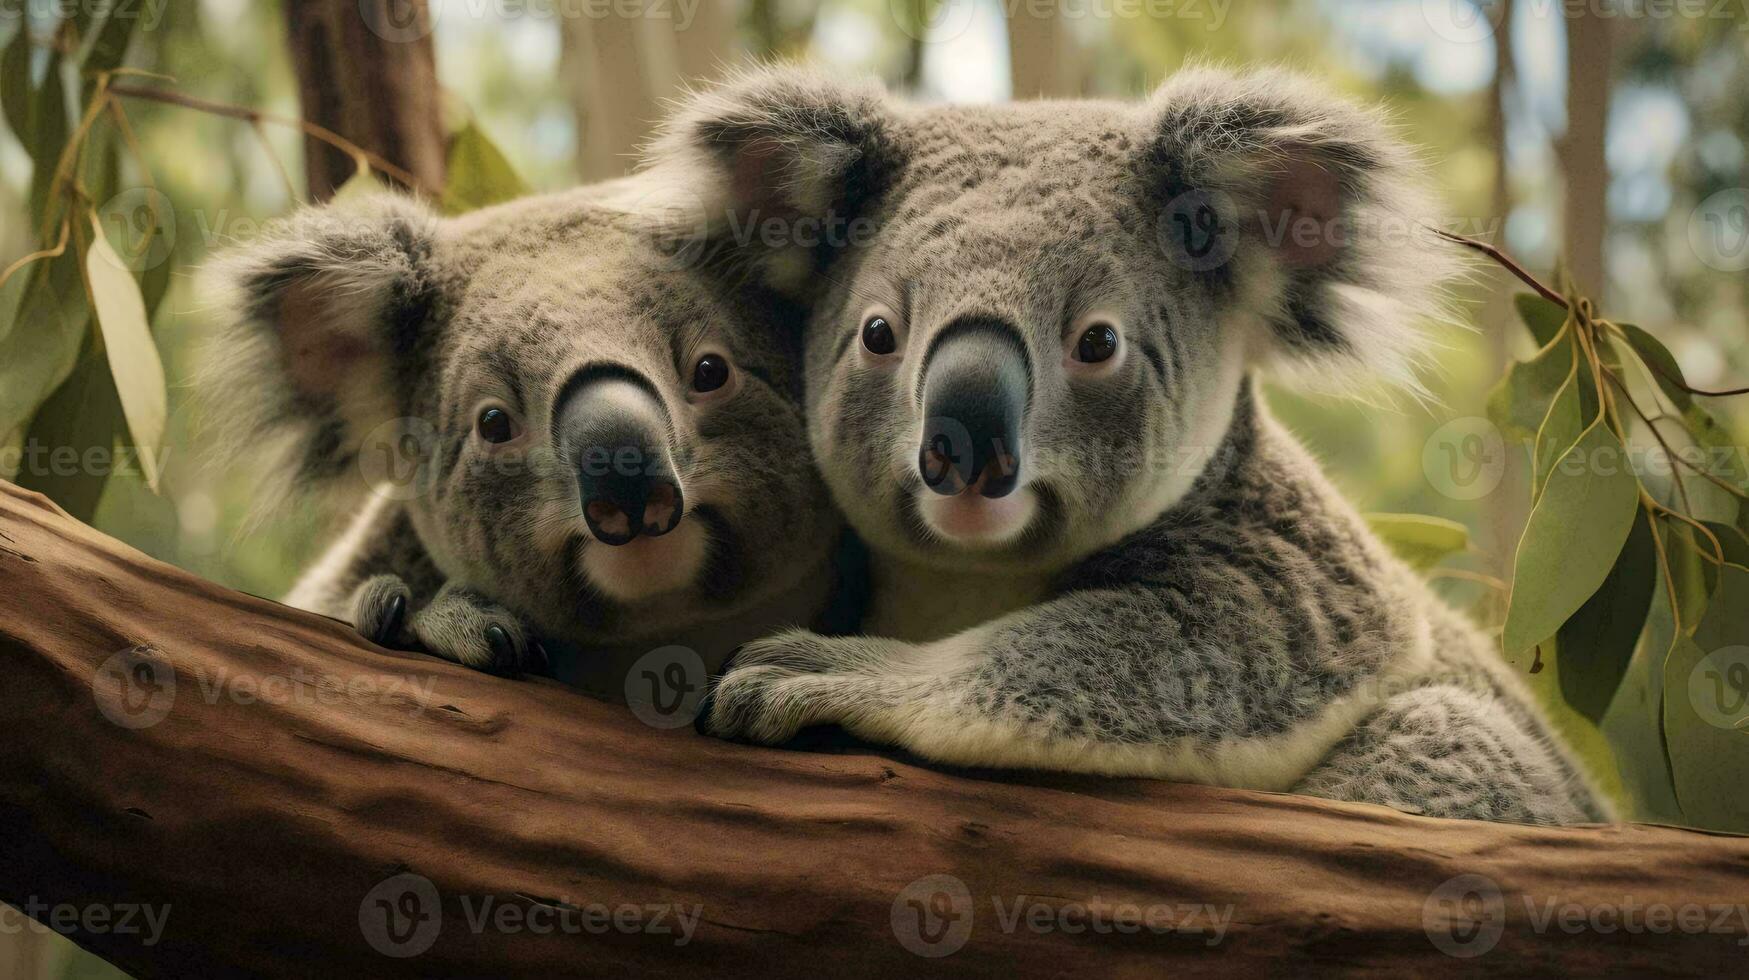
(710, 373)
(1097, 344)
(877, 336)
(496, 426)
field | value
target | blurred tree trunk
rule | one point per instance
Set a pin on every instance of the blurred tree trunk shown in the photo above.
(1584, 219)
(707, 46)
(616, 77)
(1043, 58)
(368, 71)
(621, 71)
(1505, 511)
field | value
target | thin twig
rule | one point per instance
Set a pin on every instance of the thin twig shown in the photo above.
(256, 116)
(1505, 262)
(1663, 562)
(47, 253)
(1678, 382)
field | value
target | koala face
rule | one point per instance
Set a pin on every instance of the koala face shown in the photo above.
(576, 425)
(1030, 336)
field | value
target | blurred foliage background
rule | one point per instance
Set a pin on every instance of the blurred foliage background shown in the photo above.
(1592, 132)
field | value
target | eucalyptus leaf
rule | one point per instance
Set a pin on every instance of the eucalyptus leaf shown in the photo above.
(15, 83)
(71, 442)
(1577, 529)
(1520, 402)
(1706, 706)
(1542, 317)
(479, 175)
(49, 133)
(1420, 540)
(133, 356)
(360, 185)
(1598, 641)
(110, 48)
(39, 349)
(1559, 430)
(1542, 669)
(1733, 540)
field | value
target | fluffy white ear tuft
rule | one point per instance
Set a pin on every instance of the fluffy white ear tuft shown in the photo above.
(323, 314)
(1335, 248)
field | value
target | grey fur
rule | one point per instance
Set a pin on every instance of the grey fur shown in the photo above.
(1190, 598)
(363, 324)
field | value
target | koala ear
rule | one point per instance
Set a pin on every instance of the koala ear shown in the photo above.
(323, 314)
(777, 143)
(1329, 232)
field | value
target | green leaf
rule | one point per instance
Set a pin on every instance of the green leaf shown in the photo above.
(127, 338)
(359, 185)
(71, 442)
(1714, 449)
(50, 130)
(1597, 642)
(1706, 710)
(1542, 317)
(479, 174)
(15, 87)
(1560, 429)
(1576, 531)
(110, 48)
(1543, 671)
(1661, 364)
(39, 348)
(1734, 540)
(1520, 402)
(1420, 540)
(1695, 577)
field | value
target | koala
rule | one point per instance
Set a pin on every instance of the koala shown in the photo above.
(1031, 364)
(574, 436)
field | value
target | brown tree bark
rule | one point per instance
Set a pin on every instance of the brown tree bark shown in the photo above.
(368, 71)
(157, 752)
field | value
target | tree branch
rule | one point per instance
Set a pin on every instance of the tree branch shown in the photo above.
(255, 774)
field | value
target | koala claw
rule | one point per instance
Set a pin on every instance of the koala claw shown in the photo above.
(380, 611)
(457, 625)
(773, 688)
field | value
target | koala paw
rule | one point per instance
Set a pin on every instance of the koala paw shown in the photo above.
(773, 688)
(457, 625)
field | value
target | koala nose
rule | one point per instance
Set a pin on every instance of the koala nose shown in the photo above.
(977, 383)
(613, 429)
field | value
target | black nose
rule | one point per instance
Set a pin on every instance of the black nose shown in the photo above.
(614, 432)
(976, 385)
